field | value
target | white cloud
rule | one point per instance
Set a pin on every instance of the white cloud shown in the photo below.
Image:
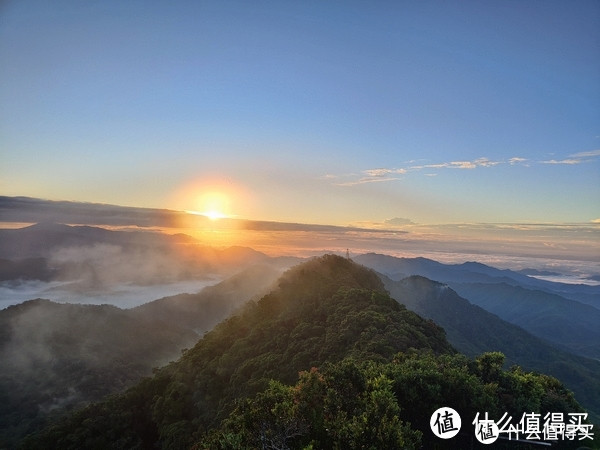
(381, 174)
(484, 162)
(479, 162)
(590, 154)
(568, 161)
(575, 158)
(365, 180)
(516, 160)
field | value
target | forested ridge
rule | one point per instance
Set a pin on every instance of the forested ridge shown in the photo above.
(371, 374)
(57, 357)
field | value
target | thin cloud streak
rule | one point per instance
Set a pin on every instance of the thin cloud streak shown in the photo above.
(569, 161)
(576, 158)
(590, 154)
(384, 174)
(517, 160)
(366, 180)
(26, 210)
(480, 162)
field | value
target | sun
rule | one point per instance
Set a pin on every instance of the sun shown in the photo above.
(213, 204)
(214, 199)
(214, 215)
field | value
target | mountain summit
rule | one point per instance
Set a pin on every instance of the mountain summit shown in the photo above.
(371, 374)
(322, 311)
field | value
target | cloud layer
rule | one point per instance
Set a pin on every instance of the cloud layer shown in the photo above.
(33, 210)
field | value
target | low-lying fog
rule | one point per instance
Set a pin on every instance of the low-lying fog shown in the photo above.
(123, 295)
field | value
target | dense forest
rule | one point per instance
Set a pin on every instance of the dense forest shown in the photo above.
(326, 360)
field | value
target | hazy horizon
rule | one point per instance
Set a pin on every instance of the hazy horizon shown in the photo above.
(565, 253)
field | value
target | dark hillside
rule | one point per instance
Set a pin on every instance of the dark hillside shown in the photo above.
(56, 357)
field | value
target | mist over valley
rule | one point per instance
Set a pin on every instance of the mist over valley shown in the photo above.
(92, 265)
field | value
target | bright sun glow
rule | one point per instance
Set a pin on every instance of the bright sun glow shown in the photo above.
(214, 215)
(213, 205)
(211, 198)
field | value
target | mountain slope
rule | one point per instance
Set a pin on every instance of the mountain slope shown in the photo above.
(56, 357)
(568, 324)
(472, 330)
(324, 310)
(203, 310)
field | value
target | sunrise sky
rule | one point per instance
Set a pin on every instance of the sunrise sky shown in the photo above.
(342, 113)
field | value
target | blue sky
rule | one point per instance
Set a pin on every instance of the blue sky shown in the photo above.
(316, 112)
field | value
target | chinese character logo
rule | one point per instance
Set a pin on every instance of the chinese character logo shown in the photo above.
(486, 430)
(530, 428)
(445, 423)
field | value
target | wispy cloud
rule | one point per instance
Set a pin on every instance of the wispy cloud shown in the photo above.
(366, 180)
(568, 161)
(382, 174)
(591, 154)
(367, 176)
(575, 158)
(480, 162)
(517, 160)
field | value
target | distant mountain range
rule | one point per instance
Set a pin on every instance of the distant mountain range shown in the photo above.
(567, 324)
(474, 272)
(566, 315)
